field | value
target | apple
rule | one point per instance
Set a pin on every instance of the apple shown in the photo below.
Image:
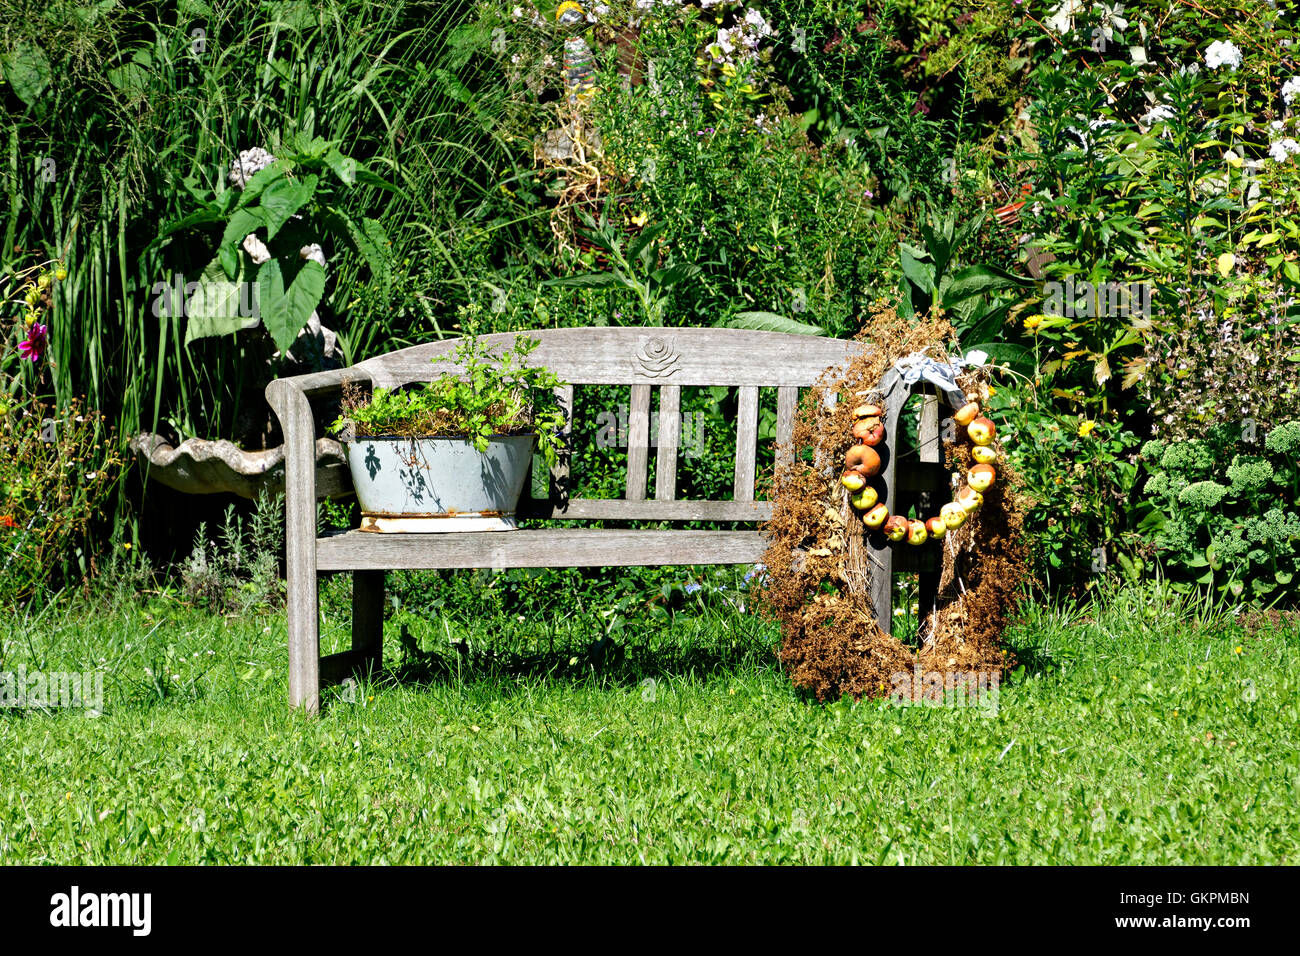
(865, 498)
(896, 528)
(876, 516)
(852, 480)
(981, 477)
(916, 533)
(869, 431)
(984, 454)
(937, 528)
(981, 431)
(862, 459)
(966, 414)
(868, 411)
(953, 516)
(969, 500)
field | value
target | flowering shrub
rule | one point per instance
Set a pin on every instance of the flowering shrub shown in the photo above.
(1222, 512)
(57, 466)
(56, 470)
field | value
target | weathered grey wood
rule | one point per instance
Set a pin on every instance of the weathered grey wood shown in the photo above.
(291, 406)
(930, 451)
(641, 358)
(368, 618)
(323, 383)
(787, 405)
(669, 437)
(638, 442)
(746, 443)
(545, 548)
(619, 509)
(880, 550)
(618, 356)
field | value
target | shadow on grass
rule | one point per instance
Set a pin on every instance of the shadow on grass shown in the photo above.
(609, 661)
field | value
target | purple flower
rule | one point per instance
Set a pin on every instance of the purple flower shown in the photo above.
(33, 347)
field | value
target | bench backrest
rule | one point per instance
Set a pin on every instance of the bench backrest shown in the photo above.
(643, 360)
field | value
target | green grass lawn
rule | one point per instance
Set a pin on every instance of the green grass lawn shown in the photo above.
(1133, 735)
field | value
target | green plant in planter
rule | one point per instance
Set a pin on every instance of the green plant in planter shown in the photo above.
(493, 394)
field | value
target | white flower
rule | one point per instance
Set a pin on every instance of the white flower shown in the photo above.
(249, 163)
(1276, 124)
(1222, 53)
(1289, 89)
(722, 47)
(1062, 18)
(1282, 149)
(754, 21)
(516, 13)
(256, 249)
(314, 253)
(1159, 113)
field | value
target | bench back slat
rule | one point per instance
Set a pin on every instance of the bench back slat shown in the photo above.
(646, 360)
(669, 435)
(623, 356)
(746, 443)
(638, 443)
(787, 404)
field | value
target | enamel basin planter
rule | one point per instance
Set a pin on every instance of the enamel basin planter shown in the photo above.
(452, 453)
(438, 484)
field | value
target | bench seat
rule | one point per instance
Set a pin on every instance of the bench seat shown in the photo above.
(535, 548)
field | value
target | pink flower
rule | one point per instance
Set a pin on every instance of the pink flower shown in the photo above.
(33, 347)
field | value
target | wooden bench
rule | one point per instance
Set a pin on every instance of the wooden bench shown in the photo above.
(636, 358)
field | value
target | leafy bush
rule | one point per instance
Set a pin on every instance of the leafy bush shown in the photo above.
(57, 468)
(1223, 513)
(492, 394)
(239, 569)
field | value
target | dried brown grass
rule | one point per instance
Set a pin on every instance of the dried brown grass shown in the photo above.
(818, 583)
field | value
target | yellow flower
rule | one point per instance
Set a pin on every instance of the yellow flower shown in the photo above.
(1033, 322)
(1086, 427)
(639, 219)
(1237, 649)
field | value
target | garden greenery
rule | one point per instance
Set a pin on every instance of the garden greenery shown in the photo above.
(490, 393)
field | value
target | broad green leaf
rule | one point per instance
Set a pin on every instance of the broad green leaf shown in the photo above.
(590, 280)
(282, 199)
(27, 71)
(215, 307)
(345, 167)
(286, 310)
(921, 274)
(240, 225)
(771, 322)
(259, 181)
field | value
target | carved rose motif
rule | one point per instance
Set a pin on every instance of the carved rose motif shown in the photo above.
(656, 358)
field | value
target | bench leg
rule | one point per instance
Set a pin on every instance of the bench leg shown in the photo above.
(368, 619)
(304, 644)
